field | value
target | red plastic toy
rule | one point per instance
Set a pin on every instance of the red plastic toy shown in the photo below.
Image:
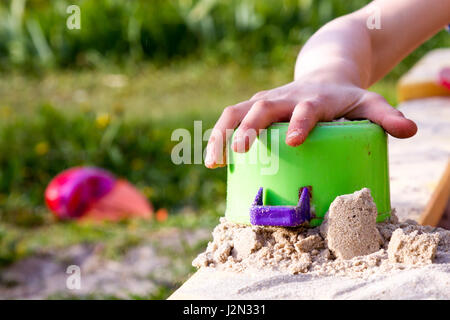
(90, 193)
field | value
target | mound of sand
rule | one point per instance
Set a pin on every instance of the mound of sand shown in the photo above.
(352, 258)
(349, 243)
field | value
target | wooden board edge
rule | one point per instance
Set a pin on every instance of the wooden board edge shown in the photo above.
(436, 205)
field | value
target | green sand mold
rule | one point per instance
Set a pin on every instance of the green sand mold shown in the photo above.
(337, 158)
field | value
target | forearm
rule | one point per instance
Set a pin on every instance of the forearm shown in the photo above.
(347, 49)
(339, 51)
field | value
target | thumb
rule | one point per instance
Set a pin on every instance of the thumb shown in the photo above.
(375, 108)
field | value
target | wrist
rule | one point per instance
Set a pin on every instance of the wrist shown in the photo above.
(342, 72)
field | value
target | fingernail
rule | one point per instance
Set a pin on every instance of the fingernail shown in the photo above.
(209, 162)
(209, 157)
(238, 143)
(293, 134)
(238, 140)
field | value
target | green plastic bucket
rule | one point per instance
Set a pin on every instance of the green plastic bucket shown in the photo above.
(337, 158)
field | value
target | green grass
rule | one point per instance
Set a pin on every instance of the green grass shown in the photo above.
(33, 33)
(34, 36)
(192, 89)
(170, 92)
(17, 242)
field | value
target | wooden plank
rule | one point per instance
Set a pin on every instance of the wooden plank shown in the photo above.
(438, 202)
(445, 220)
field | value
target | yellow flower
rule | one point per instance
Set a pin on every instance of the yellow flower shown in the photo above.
(41, 148)
(103, 120)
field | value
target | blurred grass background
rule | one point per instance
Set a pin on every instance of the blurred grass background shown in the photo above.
(111, 93)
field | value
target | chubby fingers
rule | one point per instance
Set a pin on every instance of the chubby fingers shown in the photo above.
(250, 116)
(230, 119)
(304, 117)
(261, 115)
(374, 107)
(254, 115)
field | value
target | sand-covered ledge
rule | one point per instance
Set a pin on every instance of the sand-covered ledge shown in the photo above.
(348, 257)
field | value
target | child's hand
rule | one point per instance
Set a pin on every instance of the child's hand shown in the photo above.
(303, 103)
(333, 70)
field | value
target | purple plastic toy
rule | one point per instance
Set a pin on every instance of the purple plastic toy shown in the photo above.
(282, 216)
